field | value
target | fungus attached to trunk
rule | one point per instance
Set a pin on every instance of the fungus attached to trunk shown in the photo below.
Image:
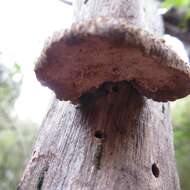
(103, 50)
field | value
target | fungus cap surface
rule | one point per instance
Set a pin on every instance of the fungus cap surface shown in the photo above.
(109, 50)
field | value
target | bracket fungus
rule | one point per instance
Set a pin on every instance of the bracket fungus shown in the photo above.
(105, 49)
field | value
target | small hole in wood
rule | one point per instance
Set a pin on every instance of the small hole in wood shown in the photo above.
(155, 170)
(115, 89)
(99, 135)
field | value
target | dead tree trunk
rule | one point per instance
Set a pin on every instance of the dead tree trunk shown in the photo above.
(119, 141)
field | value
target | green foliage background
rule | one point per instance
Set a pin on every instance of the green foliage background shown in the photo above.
(181, 123)
(181, 108)
(183, 5)
(16, 137)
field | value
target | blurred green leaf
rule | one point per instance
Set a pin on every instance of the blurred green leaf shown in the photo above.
(176, 3)
(7, 138)
(17, 67)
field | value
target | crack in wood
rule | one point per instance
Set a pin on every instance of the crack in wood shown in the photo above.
(41, 177)
(99, 138)
(98, 156)
(163, 108)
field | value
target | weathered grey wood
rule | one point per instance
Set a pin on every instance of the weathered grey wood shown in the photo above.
(117, 140)
(141, 13)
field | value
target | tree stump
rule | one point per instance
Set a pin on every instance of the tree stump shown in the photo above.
(116, 140)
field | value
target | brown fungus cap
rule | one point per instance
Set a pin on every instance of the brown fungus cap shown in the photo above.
(107, 49)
